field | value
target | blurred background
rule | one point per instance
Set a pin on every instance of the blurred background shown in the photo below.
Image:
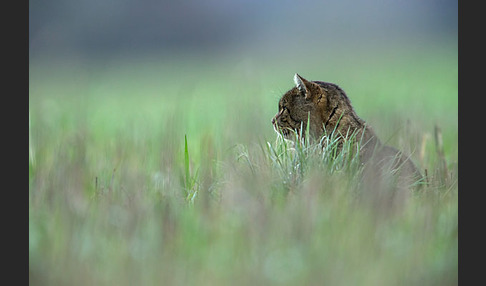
(107, 28)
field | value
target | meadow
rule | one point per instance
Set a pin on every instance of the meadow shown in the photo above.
(167, 171)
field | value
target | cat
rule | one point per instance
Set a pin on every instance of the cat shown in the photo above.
(327, 108)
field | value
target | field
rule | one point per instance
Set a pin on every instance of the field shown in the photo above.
(167, 171)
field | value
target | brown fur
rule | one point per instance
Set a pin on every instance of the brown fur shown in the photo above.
(326, 107)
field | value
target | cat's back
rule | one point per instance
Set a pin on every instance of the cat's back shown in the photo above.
(396, 164)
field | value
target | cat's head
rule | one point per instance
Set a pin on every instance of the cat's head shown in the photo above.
(303, 103)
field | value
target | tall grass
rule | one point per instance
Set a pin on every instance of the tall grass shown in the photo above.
(146, 187)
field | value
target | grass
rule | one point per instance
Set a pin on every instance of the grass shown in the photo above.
(162, 173)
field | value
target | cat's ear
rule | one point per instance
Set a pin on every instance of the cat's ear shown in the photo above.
(303, 85)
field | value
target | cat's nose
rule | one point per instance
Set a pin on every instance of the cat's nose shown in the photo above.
(273, 120)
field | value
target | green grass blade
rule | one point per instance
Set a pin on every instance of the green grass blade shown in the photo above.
(186, 166)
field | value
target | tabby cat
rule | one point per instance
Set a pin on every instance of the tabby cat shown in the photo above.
(326, 108)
